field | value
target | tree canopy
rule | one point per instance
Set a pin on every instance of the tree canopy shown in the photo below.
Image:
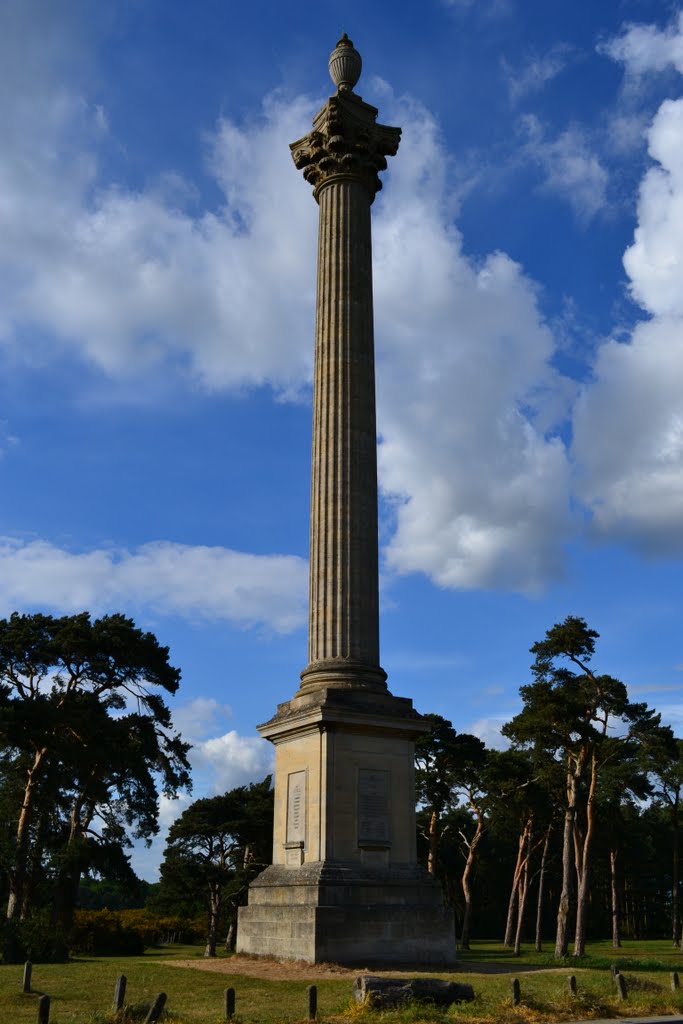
(586, 721)
(215, 848)
(87, 743)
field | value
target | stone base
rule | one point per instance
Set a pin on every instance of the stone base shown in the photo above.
(346, 913)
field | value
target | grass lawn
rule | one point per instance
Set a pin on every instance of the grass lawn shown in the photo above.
(657, 954)
(81, 992)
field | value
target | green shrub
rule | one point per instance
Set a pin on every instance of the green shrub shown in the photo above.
(103, 933)
(127, 932)
(37, 938)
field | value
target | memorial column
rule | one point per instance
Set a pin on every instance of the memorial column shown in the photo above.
(345, 884)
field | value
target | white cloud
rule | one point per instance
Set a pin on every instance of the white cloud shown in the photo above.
(571, 170)
(628, 427)
(131, 281)
(626, 130)
(410, 661)
(535, 72)
(232, 760)
(488, 731)
(7, 440)
(654, 262)
(645, 688)
(135, 279)
(672, 714)
(480, 491)
(146, 860)
(199, 717)
(628, 439)
(218, 764)
(644, 48)
(210, 583)
(485, 9)
(493, 691)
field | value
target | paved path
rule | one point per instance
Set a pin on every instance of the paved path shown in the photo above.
(663, 1019)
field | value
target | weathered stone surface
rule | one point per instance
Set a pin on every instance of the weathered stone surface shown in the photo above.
(326, 743)
(384, 993)
(346, 141)
(377, 934)
(342, 158)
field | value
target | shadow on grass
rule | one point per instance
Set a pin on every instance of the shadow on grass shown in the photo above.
(510, 966)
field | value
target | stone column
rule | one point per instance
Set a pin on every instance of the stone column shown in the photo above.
(345, 884)
(341, 158)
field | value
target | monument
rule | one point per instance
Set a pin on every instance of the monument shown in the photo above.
(345, 884)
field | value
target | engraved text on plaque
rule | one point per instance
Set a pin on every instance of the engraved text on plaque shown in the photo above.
(296, 807)
(373, 807)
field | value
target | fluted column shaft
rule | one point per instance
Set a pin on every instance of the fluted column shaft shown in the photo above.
(342, 158)
(343, 594)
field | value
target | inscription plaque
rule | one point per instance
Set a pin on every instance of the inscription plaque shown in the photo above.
(296, 807)
(373, 807)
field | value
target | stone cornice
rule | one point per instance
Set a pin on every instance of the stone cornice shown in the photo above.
(346, 143)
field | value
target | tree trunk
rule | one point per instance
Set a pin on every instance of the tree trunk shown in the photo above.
(561, 937)
(616, 918)
(69, 876)
(65, 895)
(675, 893)
(467, 910)
(213, 918)
(538, 945)
(35, 870)
(433, 837)
(583, 893)
(512, 906)
(628, 911)
(521, 906)
(512, 903)
(12, 952)
(466, 887)
(523, 890)
(582, 898)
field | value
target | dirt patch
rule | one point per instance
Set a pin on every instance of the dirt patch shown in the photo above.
(268, 967)
(292, 970)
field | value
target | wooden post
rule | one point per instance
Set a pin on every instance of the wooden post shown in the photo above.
(28, 967)
(155, 1009)
(675, 983)
(572, 985)
(119, 992)
(44, 1010)
(229, 1003)
(312, 1002)
(621, 986)
(516, 992)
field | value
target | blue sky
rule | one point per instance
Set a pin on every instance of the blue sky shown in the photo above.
(157, 281)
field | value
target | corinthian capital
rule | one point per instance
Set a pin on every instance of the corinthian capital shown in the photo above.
(346, 141)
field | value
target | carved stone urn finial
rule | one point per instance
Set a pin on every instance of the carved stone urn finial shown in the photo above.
(345, 65)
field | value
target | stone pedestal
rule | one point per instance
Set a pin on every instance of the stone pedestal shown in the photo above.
(344, 885)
